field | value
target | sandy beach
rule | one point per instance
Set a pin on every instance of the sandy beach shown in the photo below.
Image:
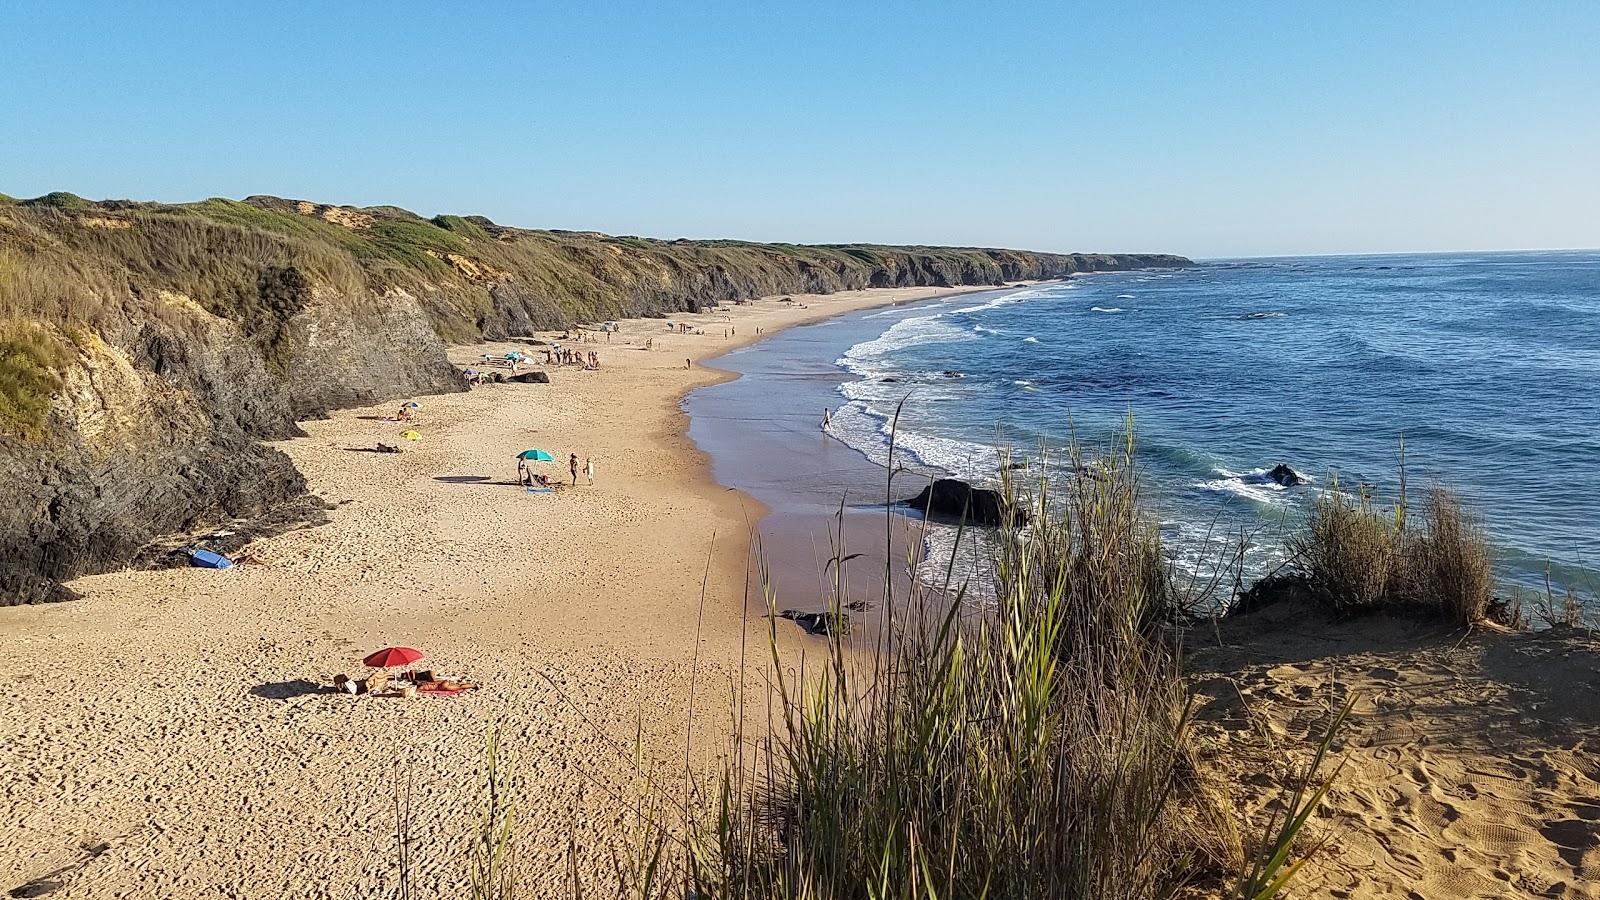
(172, 733)
(169, 734)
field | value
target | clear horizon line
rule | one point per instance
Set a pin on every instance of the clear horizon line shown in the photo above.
(1595, 249)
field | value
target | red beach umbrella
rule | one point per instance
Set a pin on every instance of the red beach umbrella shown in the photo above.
(393, 656)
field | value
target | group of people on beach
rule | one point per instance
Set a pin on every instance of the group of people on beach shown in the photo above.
(566, 356)
(530, 478)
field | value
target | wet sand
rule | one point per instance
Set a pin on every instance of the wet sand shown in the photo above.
(170, 735)
(764, 435)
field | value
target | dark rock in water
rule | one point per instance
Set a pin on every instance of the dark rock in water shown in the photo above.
(890, 380)
(1285, 476)
(955, 500)
(951, 373)
(820, 623)
(531, 378)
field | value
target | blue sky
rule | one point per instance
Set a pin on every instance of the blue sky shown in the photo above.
(1204, 129)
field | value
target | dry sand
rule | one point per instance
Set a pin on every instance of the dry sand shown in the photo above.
(165, 737)
(1469, 766)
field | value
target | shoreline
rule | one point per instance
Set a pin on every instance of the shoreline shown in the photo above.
(763, 434)
(180, 716)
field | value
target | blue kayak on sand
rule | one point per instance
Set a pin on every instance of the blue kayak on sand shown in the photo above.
(208, 560)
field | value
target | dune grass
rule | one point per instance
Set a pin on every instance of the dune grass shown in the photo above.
(1032, 751)
(1357, 557)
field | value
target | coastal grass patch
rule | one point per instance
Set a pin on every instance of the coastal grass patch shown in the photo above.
(1356, 556)
(460, 225)
(32, 358)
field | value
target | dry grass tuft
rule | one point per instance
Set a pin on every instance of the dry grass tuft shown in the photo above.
(1358, 558)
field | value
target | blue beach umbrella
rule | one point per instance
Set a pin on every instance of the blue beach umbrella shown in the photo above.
(537, 455)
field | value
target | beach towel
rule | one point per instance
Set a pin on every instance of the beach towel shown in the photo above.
(208, 560)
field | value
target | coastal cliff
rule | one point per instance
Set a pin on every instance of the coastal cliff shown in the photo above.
(146, 350)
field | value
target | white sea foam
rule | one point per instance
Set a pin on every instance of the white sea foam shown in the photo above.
(1253, 485)
(1105, 309)
(869, 429)
(960, 557)
(1023, 383)
(1125, 297)
(1030, 340)
(911, 332)
(1202, 550)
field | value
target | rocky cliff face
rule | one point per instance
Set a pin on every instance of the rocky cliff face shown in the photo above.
(146, 350)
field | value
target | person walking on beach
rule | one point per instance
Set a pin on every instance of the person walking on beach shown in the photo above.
(588, 469)
(827, 417)
(573, 464)
(688, 364)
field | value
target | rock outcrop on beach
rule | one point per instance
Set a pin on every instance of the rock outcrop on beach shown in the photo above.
(956, 500)
(147, 349)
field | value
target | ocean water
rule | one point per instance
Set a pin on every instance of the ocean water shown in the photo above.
(1487, 366)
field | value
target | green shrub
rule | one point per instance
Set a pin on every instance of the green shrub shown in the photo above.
(463, 227)
(60, 200)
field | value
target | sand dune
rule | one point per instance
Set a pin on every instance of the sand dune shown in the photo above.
(1468, 762)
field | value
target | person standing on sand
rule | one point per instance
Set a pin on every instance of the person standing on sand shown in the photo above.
(588, 469)
(573, 464)
(688, 364)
